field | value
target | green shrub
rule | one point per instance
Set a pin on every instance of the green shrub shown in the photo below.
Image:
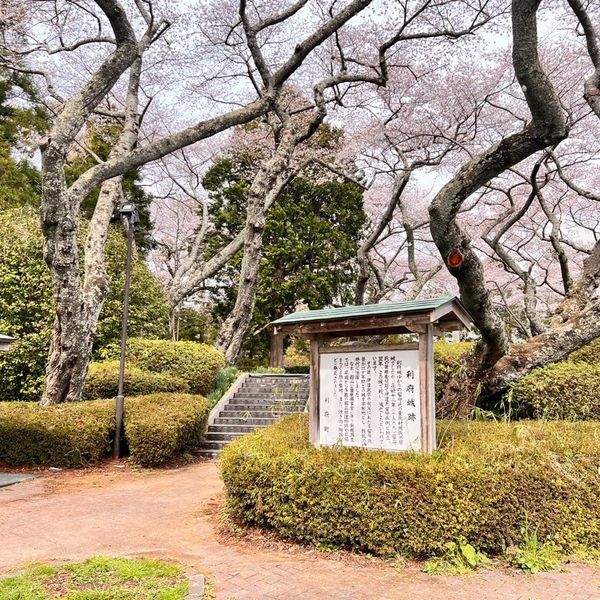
(447, 362)
(487, 482)
(197, 364)
(69, 435)
(27, 304)
(224, 380)
(566, 390)
(161, 426)
(103, 381)
(589, 354)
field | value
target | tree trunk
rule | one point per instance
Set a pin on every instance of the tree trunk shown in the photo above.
(267, 185)
(547, 128)
(577, 323)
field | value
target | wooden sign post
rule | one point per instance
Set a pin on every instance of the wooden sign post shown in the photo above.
(379, 397)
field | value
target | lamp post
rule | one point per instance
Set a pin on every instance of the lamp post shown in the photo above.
(130, 218)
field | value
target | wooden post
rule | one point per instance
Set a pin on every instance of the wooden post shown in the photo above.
(427, 390)
(276, 356)
(314, 391)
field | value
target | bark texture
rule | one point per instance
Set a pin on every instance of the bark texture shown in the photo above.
(547, 128)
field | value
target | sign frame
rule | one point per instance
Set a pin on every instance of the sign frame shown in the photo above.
(426, 382)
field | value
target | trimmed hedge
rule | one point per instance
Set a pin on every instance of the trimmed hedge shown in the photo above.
(566, 390)
(68, 435)
(447, 362)
(161, 426)
(158, 427)
(487, 483)
(102, 381)
(196, 364)
(589, 354)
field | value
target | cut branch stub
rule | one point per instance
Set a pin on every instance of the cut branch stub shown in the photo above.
(455, 258)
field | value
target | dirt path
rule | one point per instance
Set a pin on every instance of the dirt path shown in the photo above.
(172, 513)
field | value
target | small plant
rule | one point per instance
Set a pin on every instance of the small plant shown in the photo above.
(223, 381)
(532, 556)
(460, 558)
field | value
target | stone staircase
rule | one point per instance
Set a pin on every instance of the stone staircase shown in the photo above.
(257, 402)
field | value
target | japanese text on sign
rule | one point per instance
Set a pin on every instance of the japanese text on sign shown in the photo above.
(370, 399)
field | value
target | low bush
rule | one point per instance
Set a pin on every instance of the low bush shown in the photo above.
(447, 362)
(68, 435)
(197, 364)
(102, 381)
(225, 379)
(161, 426)
(566, 390)
(589, 354)
(488, 481)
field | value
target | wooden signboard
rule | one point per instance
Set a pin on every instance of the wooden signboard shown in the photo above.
(372, 397)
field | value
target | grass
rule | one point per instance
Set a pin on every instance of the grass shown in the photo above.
(98, 578)
(533, 556)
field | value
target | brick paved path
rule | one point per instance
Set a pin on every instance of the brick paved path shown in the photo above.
(171, 513)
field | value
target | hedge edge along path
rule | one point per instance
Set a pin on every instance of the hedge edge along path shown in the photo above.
(487, 482)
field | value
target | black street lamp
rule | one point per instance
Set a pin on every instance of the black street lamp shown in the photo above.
(130, 217)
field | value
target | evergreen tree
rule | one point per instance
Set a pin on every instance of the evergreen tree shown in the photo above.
(310, 243)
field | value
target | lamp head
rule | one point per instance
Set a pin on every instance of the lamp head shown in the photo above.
(129, 211)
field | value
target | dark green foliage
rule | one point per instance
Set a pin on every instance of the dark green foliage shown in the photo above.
(196, 364)
(20, 121)
(157, 428)
(103, 379)
(487, 482)
(27, 307)
(310, 242)
(162, 426)
(148, 306)
(447, 362)
(68, 435)
(101, 138)
(565, 390)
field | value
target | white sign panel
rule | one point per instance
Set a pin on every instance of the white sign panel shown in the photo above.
(370, 399)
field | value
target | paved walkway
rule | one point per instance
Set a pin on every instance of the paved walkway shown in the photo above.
(174, 513)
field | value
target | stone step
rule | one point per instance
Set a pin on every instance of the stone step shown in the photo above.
(229, 428)
(268, 407)
(279, 378)
(259, 402)
(266, 396)
(242, 421)
(214, 445)
(218, 436)
(272, 384)
(266, 400)
(256, 414)
(206, 453)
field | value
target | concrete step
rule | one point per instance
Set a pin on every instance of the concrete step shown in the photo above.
(273, 396)
(259, 402)
(265, 399)
(217, 436)
(285, 384)
(254, 413)
(273, 409)
(205, 453)
(241, 421)
(234, 428)
(214, 445)
(277, 377)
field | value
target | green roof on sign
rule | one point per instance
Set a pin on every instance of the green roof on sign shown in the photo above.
(366, 310)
